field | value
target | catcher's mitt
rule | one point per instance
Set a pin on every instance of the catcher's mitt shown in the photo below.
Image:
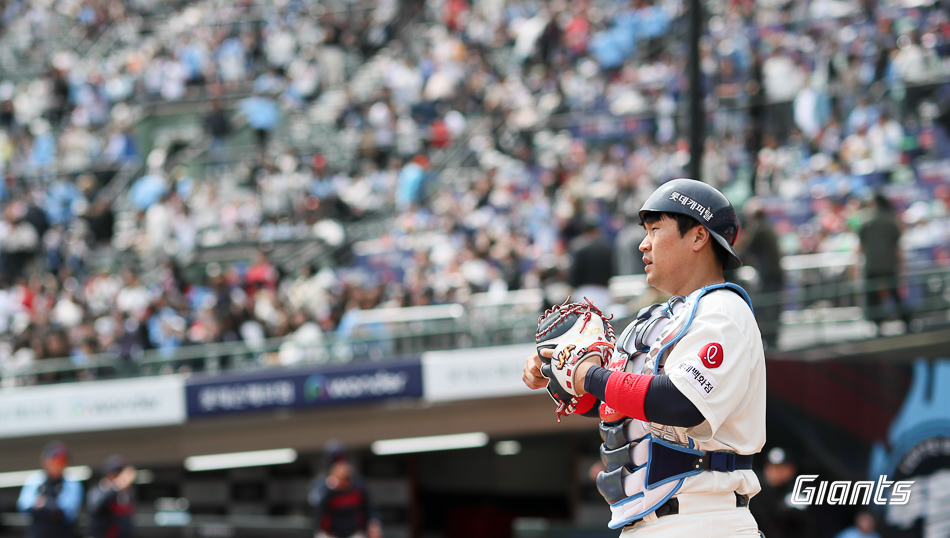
(577, 332)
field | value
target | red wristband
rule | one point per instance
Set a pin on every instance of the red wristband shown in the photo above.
(626, 393)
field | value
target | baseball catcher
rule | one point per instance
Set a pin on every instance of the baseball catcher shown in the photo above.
(681, 392)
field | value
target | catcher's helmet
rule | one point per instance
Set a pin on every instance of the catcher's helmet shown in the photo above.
(705, 204)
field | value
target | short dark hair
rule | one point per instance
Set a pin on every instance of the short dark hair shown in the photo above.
(685, 223)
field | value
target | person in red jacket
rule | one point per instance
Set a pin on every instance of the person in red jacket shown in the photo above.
(341, 505)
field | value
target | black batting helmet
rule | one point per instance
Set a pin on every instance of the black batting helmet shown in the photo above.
(705, 204)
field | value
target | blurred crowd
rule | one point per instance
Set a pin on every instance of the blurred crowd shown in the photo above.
(497, 134)
(80, 112)
(575, 111)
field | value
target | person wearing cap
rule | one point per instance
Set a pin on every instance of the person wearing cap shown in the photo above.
(50, 500)
(682, 399)
(777, 516)
(109, 503)
(340, 501)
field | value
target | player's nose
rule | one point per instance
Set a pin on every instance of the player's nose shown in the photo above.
(645, 244)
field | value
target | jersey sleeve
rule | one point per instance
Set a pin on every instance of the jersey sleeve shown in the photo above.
(711, 365)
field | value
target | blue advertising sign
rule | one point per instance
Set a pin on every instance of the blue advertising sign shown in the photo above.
(303, 388)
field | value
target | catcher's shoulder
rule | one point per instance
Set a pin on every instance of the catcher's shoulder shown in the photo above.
(726, 302)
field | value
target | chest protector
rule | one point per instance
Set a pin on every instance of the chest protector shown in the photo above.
(647, 463)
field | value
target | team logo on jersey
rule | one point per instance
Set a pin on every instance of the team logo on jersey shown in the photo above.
(711, 355)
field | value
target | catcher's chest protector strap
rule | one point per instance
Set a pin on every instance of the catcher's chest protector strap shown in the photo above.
(636, 337)
(691, 304)
(643, 471)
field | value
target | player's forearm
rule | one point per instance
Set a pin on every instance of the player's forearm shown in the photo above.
(652, 398)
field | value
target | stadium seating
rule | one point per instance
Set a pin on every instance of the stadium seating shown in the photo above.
(380, 159)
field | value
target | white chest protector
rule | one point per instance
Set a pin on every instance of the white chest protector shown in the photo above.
(647, 463)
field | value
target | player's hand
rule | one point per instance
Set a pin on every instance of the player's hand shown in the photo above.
(125, 479)
(532, 371)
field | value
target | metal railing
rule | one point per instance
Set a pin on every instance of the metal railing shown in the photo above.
(807, 313)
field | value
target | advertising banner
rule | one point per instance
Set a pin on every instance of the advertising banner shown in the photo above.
(97, 405)
(467, 374)
(303, 388)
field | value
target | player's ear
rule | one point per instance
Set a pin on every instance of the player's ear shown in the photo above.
(700, 236)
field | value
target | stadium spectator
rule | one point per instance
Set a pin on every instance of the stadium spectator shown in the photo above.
(340, 501)
(19, 241)
(110, 503)
(759, 248)
(218, 126)
(592, 264)
(50, 500)
(885, 139)
(262, 115)
(776, 516)
(880, 243)
(544, 85)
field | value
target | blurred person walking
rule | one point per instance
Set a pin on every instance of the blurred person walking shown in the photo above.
(110, 504)
(49, 499)
(592, 264)
(341, 505)
(880, 243)
(759, 247)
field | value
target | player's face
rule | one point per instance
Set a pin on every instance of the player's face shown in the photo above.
(55, 466)
(665, 254)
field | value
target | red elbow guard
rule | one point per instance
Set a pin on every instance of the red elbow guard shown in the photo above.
(626, 393)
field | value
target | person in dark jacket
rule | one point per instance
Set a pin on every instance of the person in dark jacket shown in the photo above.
(50, 500)
(880, 243)
(760, 249)
(110, 503)
(777, 516)
(592, 264)
(341, 505)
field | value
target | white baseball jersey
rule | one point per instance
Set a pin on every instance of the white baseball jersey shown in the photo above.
(719, 364)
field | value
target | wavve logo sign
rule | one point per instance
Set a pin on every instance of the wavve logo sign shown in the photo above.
(382, 383)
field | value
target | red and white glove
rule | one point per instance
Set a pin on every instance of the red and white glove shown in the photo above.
(577, 333)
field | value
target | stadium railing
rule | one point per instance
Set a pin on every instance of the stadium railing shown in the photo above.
(809, 312)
